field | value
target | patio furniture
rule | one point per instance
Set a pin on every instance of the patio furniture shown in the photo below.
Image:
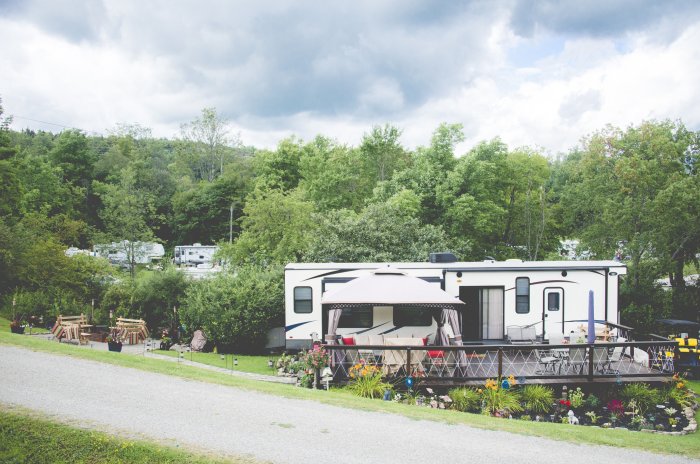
(521, 335)
(395, 360)
(131, 330)
(615, 357)
(556, 338)
(577, 359)
(548, 360)
(71, 328)
(601, 359)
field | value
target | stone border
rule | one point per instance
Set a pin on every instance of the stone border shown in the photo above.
(692, 426)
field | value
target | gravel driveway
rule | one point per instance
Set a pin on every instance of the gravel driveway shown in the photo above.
(226, 420)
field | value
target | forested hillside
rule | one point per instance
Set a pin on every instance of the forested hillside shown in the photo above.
(633, 191)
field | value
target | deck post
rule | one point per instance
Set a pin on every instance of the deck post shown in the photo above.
(500, 362)
(408, 362)
(590, 362)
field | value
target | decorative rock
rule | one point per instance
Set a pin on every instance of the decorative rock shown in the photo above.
(198, 341)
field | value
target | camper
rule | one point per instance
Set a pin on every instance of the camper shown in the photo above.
(195, 255)
(552, 296)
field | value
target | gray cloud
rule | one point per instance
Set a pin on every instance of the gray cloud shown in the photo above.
(602, 18)
(283, 58)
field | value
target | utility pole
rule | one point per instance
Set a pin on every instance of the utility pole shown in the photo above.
(230, 225)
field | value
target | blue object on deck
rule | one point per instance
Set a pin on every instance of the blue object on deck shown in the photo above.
(409, 382)
(591, 318)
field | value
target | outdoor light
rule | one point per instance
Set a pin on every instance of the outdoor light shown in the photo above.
(269, 363)
(222, 357)
(235, 361)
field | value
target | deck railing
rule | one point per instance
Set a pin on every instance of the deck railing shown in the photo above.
(475, 363)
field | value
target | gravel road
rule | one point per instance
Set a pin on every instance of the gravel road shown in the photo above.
(229, 421)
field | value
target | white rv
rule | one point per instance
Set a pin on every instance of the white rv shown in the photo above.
(194, 255)
(118, 253)
(551, 295)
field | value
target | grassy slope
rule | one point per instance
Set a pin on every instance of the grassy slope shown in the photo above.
(688, 445)
(254, 364)
(27, 438)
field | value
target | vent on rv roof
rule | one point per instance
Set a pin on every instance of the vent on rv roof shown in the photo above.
(443, 258)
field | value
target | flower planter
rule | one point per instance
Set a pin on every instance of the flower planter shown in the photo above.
(17, 330)
(115, 346)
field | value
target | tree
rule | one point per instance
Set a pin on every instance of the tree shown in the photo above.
(381, 232)
(236, 311)
(202, 213)
(382, 152)
(207, 144)
(125, 213)
(71, 154)
(276, 228)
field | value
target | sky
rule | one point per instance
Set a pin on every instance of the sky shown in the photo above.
(541, 74)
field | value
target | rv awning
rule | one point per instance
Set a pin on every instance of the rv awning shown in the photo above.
(389, 287)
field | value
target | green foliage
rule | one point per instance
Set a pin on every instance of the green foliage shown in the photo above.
(577, 397)
(235, 311)
(679, 396)
(644, 396)
(500, 400)
(537, 398)
(367, 381)
(465, 399)
(382, 232)
(28, 439)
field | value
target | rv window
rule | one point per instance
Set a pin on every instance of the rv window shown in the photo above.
(356, 318)
(553, 301)
(302, 300)
(412, 316)
(522, 295)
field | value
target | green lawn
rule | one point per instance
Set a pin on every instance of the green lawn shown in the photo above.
(27, 438)
(688, 445)
(254, 364)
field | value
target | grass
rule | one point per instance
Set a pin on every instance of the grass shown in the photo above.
(24, 437)
(687, 445)
(5, 327)
(246, 363)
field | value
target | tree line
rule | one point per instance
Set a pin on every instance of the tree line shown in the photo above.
(633, 192)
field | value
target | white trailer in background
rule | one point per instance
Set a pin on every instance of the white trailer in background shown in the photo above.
(195, 255)
(118, 253)
(550, 295)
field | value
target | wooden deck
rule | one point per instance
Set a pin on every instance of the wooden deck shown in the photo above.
(546, 364)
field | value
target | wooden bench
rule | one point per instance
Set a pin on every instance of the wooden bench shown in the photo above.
(71, 328)
(130, 331)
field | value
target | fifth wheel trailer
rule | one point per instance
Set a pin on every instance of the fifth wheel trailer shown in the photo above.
(551, 295)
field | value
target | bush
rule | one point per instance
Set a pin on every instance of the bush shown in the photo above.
(465, 399)
(500, 400)
(367, 381)
(537, 398)
(643, 395)
(236, 311)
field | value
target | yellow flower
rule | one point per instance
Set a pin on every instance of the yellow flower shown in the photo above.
(680, 385)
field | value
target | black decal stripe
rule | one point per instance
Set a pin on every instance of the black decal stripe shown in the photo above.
(547, 282)
(331, 273)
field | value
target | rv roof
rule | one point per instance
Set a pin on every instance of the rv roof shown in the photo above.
(467, 266)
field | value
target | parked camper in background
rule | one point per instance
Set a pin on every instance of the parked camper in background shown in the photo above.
(194, 255)
(118, 252)
(549, 295)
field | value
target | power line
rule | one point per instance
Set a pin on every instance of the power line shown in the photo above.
(55, 124)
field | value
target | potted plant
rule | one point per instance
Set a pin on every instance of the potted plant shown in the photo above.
(113, 343)
(16, 327)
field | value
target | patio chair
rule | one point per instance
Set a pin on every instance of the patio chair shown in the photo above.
(616, 356)
(577, 359)
(601, 359)
(548, 361)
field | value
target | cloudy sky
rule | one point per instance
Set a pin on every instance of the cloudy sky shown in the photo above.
(537, 73)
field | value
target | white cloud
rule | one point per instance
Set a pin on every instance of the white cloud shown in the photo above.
(277, 70)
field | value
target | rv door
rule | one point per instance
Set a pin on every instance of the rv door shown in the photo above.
(553, 311)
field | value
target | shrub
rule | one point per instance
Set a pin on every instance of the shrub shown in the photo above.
(236, 311)
(465, 399)
(537, 398)
(592, 401)
(680, 396)
(576, 397)
(500, 400)
(367, 381)
(642, 394)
